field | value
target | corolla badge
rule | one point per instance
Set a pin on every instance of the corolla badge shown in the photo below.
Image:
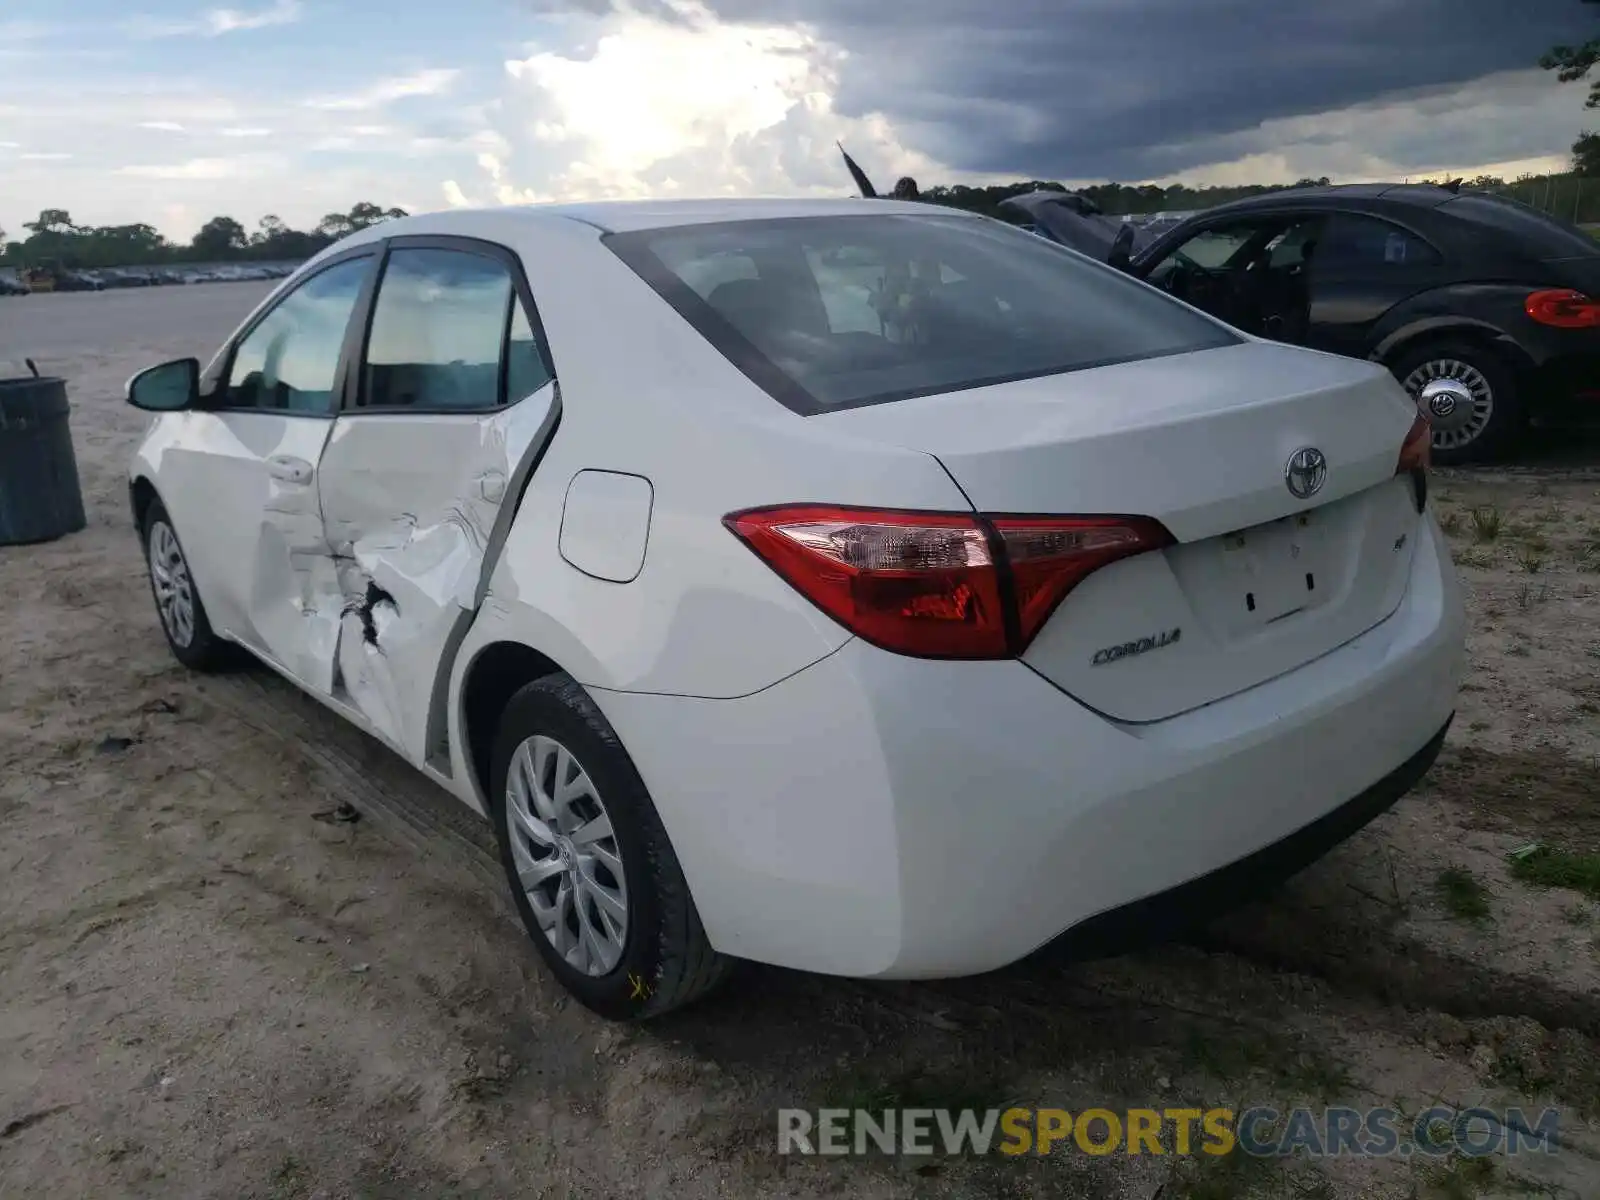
(1306, 472)
(1155, 641)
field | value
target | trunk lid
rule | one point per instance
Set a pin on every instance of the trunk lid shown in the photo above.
(1582, 272)
(1260, 581)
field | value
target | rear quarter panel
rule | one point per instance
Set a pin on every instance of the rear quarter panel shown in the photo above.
(644, 395)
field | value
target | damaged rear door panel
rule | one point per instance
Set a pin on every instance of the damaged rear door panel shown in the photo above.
(452, 403)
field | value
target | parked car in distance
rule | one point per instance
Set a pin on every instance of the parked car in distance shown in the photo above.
(11, 286)
(1488, 311)
(757, 610)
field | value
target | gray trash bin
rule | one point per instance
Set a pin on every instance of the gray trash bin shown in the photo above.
(40, 497)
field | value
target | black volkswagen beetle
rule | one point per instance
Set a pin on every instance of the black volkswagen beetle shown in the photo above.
(1485, 309)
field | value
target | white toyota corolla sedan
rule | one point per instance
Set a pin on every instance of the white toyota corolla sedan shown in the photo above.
(862, 587)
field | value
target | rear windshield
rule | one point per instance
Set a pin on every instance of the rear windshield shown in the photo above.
(1542, 235)
(837, 312)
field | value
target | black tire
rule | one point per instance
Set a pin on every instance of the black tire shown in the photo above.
(1508, 418)
(204, 650)
(666, 961)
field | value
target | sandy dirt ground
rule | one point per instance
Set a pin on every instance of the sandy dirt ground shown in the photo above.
(211, 987)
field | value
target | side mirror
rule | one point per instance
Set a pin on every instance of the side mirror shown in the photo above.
(171, 387)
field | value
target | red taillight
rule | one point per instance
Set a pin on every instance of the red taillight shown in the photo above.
(1564, 309)
(1049, 556)
(938, 585)
(1416, 453)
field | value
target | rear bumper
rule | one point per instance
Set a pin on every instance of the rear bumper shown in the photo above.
(875, 815)
(1574, 379)
(1191, 904)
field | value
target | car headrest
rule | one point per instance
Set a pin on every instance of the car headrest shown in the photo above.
(754, 306)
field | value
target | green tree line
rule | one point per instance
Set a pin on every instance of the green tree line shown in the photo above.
(55, 238)
(1571, 196)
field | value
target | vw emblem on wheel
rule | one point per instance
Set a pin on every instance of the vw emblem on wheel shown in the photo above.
(1306, 472)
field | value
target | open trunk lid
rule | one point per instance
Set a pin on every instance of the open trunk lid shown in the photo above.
(1260, 580)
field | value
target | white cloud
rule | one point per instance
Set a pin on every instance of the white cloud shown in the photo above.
(24, 31)
(432, 82)
(194, 168)
(643, 106)
(1505, 125)
(249, 131)
(227, 20)
(217, 21)
(162, 126)
(43, 156)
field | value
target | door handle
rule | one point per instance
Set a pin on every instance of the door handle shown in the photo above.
(290, 470)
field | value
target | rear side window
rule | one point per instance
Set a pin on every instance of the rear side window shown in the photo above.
(837, 312)
(1540, 235)
(1357, 240)
(440, 324)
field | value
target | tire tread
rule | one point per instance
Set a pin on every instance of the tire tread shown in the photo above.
(688, 966)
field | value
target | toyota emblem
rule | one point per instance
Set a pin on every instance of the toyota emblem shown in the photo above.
(1306, 472)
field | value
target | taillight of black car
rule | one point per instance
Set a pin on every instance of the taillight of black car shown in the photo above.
(1563, 308)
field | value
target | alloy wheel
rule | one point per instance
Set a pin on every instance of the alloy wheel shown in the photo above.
(169, 575)
(566, 855)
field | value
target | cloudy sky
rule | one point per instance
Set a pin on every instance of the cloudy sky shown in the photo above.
(170, 113)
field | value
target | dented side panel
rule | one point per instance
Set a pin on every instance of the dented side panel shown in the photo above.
(414, 508)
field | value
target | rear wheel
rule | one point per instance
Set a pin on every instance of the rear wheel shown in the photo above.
(1469, 395)
(591, 870)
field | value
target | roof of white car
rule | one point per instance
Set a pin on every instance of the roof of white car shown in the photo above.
(622, 216)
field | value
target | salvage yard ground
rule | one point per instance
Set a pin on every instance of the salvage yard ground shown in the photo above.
(213, 983)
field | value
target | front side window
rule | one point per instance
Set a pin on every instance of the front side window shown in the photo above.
(290, 361)
(1211, 249)
(438, 330)
(836, 312)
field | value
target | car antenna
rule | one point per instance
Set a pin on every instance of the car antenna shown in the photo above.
(856, 173)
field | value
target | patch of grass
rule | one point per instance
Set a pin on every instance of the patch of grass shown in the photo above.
(1478, 726)
(1527, 596)
(1530, 559)
(1520, 650)
(1463, 897)
(290, 1180)
(1475, 559)
(1317, 1075)
(1450, 522)
(1301, 1070)
(1576, 915)
(1487, 522)
(1222, 1177)
(1549, 866)
(954, 1090)
(1460, 1178)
